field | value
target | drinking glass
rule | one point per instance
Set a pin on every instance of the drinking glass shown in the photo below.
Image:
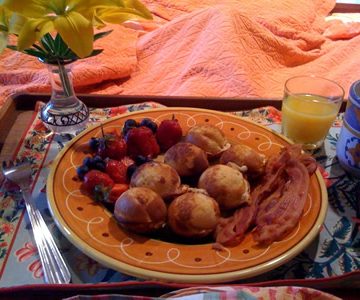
(309, 107)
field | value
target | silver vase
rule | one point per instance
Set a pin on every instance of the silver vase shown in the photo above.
(64, 113)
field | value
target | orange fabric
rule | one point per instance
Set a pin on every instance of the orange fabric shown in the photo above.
(203, 48)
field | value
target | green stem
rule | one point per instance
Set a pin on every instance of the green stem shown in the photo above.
(64, 79)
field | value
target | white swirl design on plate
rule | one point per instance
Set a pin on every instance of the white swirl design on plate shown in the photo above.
(310, 201)
(67, 204)
(291, 236)
(76, 148)
(173, 254)
(127, 242)
(64, 179)
(230, 258)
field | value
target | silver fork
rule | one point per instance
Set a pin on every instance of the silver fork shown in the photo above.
(54, 267)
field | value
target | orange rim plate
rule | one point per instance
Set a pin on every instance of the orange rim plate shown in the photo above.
(93, 229)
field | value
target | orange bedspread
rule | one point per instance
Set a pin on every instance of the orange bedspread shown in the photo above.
(203, 48)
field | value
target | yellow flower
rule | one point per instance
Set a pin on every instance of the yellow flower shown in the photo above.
(73, 20)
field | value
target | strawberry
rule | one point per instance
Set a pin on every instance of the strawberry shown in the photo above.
(112, 146)
(95, 179)
(116, 170)
(168, 133)
(141, 141)
(116, 192)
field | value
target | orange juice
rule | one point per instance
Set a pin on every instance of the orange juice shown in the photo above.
(306, 118)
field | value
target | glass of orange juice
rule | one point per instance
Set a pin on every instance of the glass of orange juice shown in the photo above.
(309, 107)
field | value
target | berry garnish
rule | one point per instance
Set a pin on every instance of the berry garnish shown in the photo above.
(113, 147)
(94, 163)
(81, 171)
(98, 163)
(141, 141)
(88, 162)
(169, 133)
(140, 160)
(129, 123)
(130, 171)
(116, 191)
(117, 170)
(149, 124)
(95, 179)
(94, 143)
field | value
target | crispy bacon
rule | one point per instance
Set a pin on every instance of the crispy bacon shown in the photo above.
(277, 202)
(275, 221)
(230, 231)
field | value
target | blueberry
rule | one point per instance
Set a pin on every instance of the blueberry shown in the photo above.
(100, 165)
(149, 124)
(130, 170)
(130, 123)
(102, 145)
(140, 159)
(94, 143)
(81, 171)
(88, 162)
(97, 158)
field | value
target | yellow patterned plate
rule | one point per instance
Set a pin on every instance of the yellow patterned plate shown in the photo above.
(93, 229)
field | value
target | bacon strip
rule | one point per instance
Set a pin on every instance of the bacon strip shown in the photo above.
(275, 223)
(230, 231)
(277, 202)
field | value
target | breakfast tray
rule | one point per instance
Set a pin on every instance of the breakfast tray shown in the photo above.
(331, 261)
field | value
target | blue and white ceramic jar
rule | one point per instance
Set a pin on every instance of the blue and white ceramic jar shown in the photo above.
(348, 145)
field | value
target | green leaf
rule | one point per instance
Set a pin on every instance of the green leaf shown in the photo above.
(12, 47)
(39, 49)
(101, 34)
(48, 43)
(60, 46)
(35, 53)
(96, 52)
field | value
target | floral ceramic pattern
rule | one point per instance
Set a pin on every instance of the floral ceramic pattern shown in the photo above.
(335, 252)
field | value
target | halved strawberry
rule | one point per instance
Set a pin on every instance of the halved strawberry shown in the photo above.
(116, 169)
(116, 192)
(112, 146)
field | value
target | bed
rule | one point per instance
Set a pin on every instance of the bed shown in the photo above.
(242, 49)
